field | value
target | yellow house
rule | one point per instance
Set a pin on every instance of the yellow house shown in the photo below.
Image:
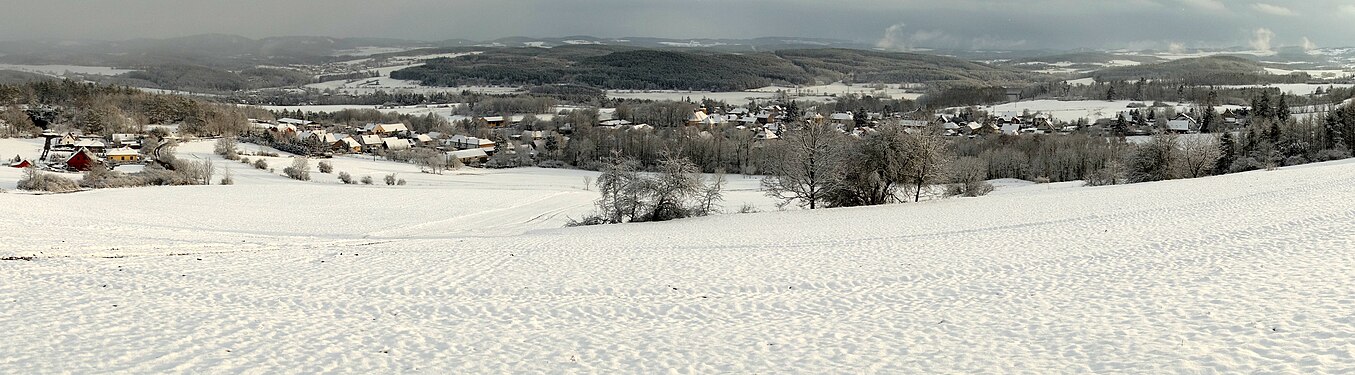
(124, 155)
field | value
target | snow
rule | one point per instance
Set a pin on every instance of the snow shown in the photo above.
(1071, 110)
(471, 272)
(820, 93)
(1298, 88)
(63, 70)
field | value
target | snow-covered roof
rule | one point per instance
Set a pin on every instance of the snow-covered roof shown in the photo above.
(395, 143)
(841, 116)
(292, 121)
(470, 153)
(122, 152)
(1178, 125)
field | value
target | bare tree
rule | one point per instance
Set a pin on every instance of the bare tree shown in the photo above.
(926, 162)
(1198, 156)
(809, 161)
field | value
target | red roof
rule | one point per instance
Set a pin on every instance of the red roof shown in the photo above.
(81, 160)
(22, 164)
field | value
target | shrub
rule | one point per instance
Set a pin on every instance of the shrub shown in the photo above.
(748, 209)
(1295, 160)
(401, 182)
(1042, 180)
(244, 160)
(325, 167)
(551, 164)
(1331, 154)
(970, 189)
(300, 169)
(366, 180)
(227, 178)
(1245, 164)
(226, 148)
(36, 180)
(390, 179)
(1111, 174)
(346, 178)
(260, 164)
(588, 220)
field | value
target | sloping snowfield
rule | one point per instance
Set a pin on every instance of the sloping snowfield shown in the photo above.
(466, 272)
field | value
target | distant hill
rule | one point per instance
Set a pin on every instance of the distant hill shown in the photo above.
(10, 77)
(620, 67)
(1213, 70)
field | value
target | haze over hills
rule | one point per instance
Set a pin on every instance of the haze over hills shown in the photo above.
(218, 63)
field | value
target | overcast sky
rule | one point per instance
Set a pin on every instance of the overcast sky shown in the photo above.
(896, 24)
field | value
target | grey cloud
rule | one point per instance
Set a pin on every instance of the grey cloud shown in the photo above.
(1017, 24)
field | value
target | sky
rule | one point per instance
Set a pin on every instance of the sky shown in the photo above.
(890, 24)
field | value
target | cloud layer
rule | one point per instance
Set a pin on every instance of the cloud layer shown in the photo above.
(893, 24)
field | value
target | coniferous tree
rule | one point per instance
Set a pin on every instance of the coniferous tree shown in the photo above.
(1227, 153)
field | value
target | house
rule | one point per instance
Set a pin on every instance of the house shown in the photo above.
(471, 155)
(462, 142)
(393, 143)
(386, 129)
(294, 122)
(126, 140)
(24, 163)
(766, 135)
(1182, 124)
(124, 155)
(422, 139)
(347, 144)
(697, 117)
(371, 142)
(82, 160)
(316, 136)
(495, 121)
(842, 118)
(93, 145)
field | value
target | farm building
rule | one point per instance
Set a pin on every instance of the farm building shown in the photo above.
(82, 160)
(124, 155)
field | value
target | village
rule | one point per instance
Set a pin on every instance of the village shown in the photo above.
(73, 151)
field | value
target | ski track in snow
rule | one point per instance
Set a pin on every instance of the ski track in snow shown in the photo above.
(1245, 273)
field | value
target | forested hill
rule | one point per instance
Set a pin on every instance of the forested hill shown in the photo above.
(636, 68)
(1213, 70)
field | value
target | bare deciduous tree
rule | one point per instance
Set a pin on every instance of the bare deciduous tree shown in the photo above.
(809, 161)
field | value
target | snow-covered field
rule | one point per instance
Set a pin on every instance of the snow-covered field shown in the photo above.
(471, 272)
(820, 93)
(1071, 110)
(63, 70)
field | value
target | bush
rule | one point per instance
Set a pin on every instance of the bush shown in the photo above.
(346, 178)
(1111, 174)
(588, 220)
(401, 182)
(551, 164)
(366, 180)
(325, 167)
(1331, 154)
(244, 160)
(260, 164)
(748, 209)
(226, 148)
(1245, 164)
(36, 180)
(227, 178)
(1295, 160)
(1042, 180)
(970, 189)
(300, 169)
(390, 179)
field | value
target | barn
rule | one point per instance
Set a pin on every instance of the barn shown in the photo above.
(82, 160)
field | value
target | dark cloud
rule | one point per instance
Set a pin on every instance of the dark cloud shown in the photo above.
(982, 24)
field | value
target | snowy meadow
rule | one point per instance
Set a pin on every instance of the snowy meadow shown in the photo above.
(472, 271)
